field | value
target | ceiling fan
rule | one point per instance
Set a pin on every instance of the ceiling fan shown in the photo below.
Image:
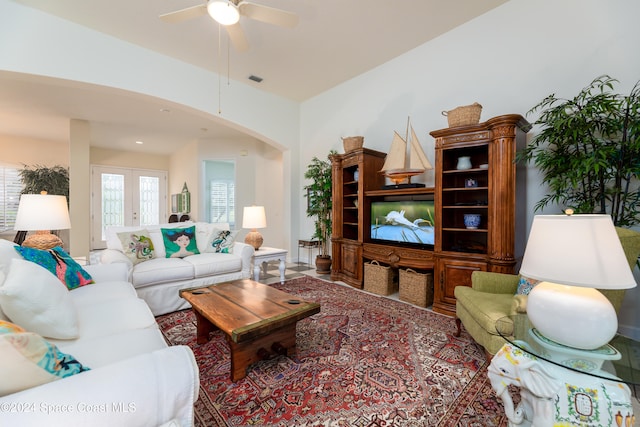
(228, 12)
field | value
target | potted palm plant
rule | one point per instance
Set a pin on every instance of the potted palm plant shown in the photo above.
(319, 206)
(588, 149)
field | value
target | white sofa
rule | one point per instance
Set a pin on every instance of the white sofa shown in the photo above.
(135, 379)
(159, 280)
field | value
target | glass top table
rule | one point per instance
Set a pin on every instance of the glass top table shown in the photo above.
(619, 360)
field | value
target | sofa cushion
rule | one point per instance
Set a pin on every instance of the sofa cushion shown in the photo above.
(136, 245)
(490, 306)
(161, 270)
(35, 299)
(209, 264)
(101, 292)
(28, 360)
(7, 253)
(104, 350)
(180, 242)
(113, 317)
(59, 263)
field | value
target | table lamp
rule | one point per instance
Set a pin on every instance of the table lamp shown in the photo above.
(573, 256)
(253, 217)
(42, 213)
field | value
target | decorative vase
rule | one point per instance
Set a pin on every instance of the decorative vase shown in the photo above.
(464, 162)
(472, 221)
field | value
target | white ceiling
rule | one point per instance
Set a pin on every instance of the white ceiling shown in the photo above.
(334, 41)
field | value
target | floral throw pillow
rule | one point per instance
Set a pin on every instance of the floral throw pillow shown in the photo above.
(137, 245)
(221, 241)
(180, 242)
(525, 285)
(60, 263)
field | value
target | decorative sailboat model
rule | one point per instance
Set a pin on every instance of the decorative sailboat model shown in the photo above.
(401, 165)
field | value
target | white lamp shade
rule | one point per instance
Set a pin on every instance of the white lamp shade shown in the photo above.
(42, 212)
(254, 217)
(576, 250)
(224, 12)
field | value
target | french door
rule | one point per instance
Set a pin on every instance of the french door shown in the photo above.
(125, 197)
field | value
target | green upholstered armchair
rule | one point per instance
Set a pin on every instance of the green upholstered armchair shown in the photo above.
(492, 296)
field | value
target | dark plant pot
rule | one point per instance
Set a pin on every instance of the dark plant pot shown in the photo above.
(323, 264)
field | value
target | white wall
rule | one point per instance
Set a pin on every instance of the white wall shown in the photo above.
(508, 60)
(259, 180)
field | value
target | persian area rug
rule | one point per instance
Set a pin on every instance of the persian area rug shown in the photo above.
(364, 360)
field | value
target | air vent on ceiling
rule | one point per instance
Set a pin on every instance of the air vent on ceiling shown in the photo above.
(255, 78)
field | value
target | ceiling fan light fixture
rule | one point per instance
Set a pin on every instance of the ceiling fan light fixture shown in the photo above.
(223, 11)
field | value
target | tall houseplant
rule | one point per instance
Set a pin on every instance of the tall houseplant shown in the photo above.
(54, 180)
(588, 151)
(319, 206)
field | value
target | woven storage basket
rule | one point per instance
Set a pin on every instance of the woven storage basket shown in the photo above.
(379, 279)
(463, 116)
(351, 143)
(416, 288)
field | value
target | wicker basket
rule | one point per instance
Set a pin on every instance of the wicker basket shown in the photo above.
(464, 116)
(351, 143)
(379, 279)
(416, 288)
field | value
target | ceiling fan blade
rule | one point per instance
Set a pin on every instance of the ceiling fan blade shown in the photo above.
(184, 14)
(236, 34)
(267, 14)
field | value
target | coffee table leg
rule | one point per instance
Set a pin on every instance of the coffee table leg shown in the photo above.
(246, 353)
(203, 328)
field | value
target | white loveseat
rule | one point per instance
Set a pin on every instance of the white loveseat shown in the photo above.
(159, 279)
(135, 379)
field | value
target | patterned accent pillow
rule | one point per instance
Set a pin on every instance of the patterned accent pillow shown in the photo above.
(28, 360)
(9, 328)
(221, 241)
(525, 285)
(137, 245)
(60, 264)
(180, 242)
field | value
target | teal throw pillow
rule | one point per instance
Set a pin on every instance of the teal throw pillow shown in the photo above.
(525, 285)
(180, 242)
(59, 263)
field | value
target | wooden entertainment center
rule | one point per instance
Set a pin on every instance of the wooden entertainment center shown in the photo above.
(492, 185)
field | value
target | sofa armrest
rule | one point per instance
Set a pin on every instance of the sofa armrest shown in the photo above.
(246, 253)
(494, 283)
(149, 389)
(108, 272)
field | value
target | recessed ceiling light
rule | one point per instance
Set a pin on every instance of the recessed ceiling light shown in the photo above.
(139, 142)
(165, 110)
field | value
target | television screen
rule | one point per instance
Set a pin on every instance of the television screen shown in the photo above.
(409, 221)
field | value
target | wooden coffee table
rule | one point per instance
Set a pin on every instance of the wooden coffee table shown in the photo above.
(257, 320)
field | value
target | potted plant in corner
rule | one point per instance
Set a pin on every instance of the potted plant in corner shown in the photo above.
(588, 149)
(319, 207)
